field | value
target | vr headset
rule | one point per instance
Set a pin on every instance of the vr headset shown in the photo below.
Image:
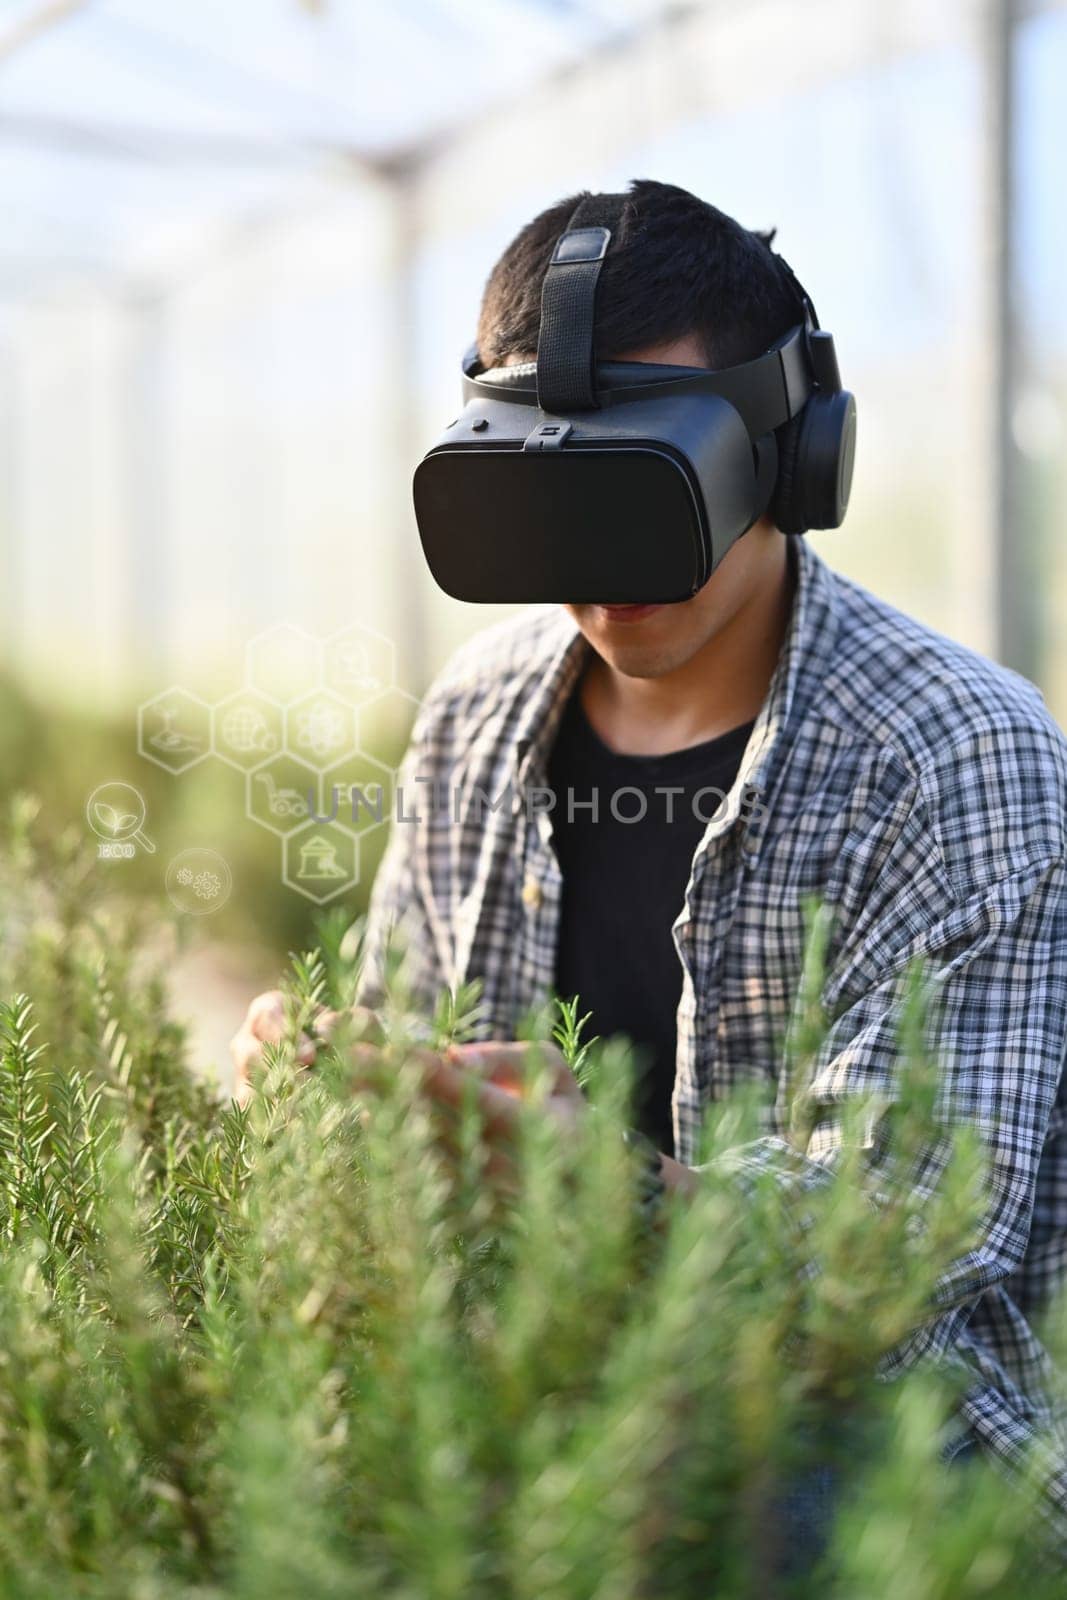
(626, 482)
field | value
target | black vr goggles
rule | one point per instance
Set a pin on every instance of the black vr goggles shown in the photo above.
(626, 482)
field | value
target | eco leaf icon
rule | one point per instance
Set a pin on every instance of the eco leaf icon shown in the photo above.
(115, 822)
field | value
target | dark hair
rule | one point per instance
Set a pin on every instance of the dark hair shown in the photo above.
(679, 267)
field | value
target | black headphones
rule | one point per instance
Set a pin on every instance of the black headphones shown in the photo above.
(816, 448)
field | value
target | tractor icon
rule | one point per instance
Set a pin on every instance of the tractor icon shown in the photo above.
(282, 802)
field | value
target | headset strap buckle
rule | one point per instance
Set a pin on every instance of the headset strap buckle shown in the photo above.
(546, 436)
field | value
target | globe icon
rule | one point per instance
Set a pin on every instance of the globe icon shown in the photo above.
(245, 730)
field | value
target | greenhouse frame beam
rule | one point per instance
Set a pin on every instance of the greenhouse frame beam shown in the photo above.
(1012, 596)
(410, 622)
(91, 140)
(148, 474)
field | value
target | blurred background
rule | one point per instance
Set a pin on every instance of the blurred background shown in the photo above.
(243, 251)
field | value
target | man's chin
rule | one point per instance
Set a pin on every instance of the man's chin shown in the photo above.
(650, 658)
(637, 641)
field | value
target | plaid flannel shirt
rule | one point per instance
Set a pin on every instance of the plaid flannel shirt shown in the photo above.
(921, 792)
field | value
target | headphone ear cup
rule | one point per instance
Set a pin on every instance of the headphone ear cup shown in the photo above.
(825, 458)
(816, 454)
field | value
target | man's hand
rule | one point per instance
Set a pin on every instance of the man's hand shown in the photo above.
(504, 1062)
(493, 1079)
(501, 1068)
(264, 1023)
(495, 1072)
(494, 1076)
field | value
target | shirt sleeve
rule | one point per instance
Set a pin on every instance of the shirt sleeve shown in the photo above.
(400, 922)
(998, 965)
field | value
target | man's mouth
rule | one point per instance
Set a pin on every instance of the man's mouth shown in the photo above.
(634, 613)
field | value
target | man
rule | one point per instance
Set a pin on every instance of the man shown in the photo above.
(918, 790)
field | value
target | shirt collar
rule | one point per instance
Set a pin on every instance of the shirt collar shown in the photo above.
(803, 661)
(805, 656)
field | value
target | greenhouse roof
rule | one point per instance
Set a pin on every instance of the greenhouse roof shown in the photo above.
(130, 129)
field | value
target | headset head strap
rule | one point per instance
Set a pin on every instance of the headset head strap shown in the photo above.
(566, 367)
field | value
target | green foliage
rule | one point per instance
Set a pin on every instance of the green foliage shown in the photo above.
(456, 1015)
(567, 1033)
(296, 1350)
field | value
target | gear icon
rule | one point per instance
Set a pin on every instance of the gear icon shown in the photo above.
(199, 881)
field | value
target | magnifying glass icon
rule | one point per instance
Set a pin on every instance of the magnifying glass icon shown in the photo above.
(117, 811)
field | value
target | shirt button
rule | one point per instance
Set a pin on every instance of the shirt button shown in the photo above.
(531, 894)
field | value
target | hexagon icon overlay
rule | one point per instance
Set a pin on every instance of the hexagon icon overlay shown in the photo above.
(174, 729)
(358, 664)
(358, 792)
(283, 662)
(283, 794)
(248, 729)
(320, 729)
(321, 861)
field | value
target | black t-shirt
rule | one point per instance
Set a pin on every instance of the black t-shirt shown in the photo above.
(624, 884)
